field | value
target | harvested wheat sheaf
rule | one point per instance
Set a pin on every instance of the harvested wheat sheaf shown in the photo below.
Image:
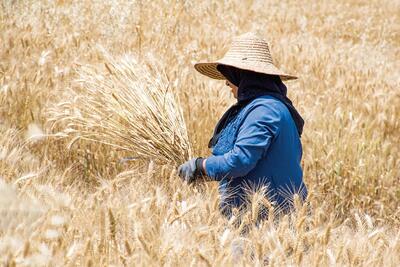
(128, 105)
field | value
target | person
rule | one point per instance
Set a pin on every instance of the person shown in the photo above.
(257, 142)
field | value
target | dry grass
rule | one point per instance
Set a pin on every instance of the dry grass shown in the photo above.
(66, 200)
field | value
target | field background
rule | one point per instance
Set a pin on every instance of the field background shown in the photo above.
(81, 206)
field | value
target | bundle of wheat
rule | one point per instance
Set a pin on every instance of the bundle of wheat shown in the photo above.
(127, 105)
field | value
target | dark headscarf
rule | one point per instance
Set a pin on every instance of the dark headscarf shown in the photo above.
(250, 86)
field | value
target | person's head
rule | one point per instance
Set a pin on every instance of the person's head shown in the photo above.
(245, 84)
(247, 52)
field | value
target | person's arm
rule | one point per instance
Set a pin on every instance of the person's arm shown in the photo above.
(254, 137)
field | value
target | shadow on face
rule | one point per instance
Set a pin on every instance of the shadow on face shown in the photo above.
(234, 88)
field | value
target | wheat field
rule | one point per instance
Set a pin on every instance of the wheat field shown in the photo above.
(84, 84)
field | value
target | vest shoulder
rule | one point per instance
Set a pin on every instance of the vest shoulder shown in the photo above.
(268, 101)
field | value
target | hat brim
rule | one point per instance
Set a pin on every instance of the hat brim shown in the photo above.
(209, 69)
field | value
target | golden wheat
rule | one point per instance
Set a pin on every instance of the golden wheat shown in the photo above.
(126, 108)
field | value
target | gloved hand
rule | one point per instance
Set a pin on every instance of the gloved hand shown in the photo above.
(191, 169)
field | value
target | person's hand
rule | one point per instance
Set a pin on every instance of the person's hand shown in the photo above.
(191, 169)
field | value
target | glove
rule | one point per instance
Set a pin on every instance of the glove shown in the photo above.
(191, 169)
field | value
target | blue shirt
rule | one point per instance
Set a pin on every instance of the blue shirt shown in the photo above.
(259, 147)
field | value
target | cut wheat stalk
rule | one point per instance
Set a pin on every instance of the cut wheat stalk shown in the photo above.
(129, 106)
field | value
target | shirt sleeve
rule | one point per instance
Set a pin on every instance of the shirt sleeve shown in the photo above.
(255, 135)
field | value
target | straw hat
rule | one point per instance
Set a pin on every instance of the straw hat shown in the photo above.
(248, 52)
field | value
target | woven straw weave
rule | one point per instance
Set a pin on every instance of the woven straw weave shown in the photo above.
(248, 52)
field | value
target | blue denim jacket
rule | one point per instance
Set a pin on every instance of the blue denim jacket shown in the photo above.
(259, 147)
